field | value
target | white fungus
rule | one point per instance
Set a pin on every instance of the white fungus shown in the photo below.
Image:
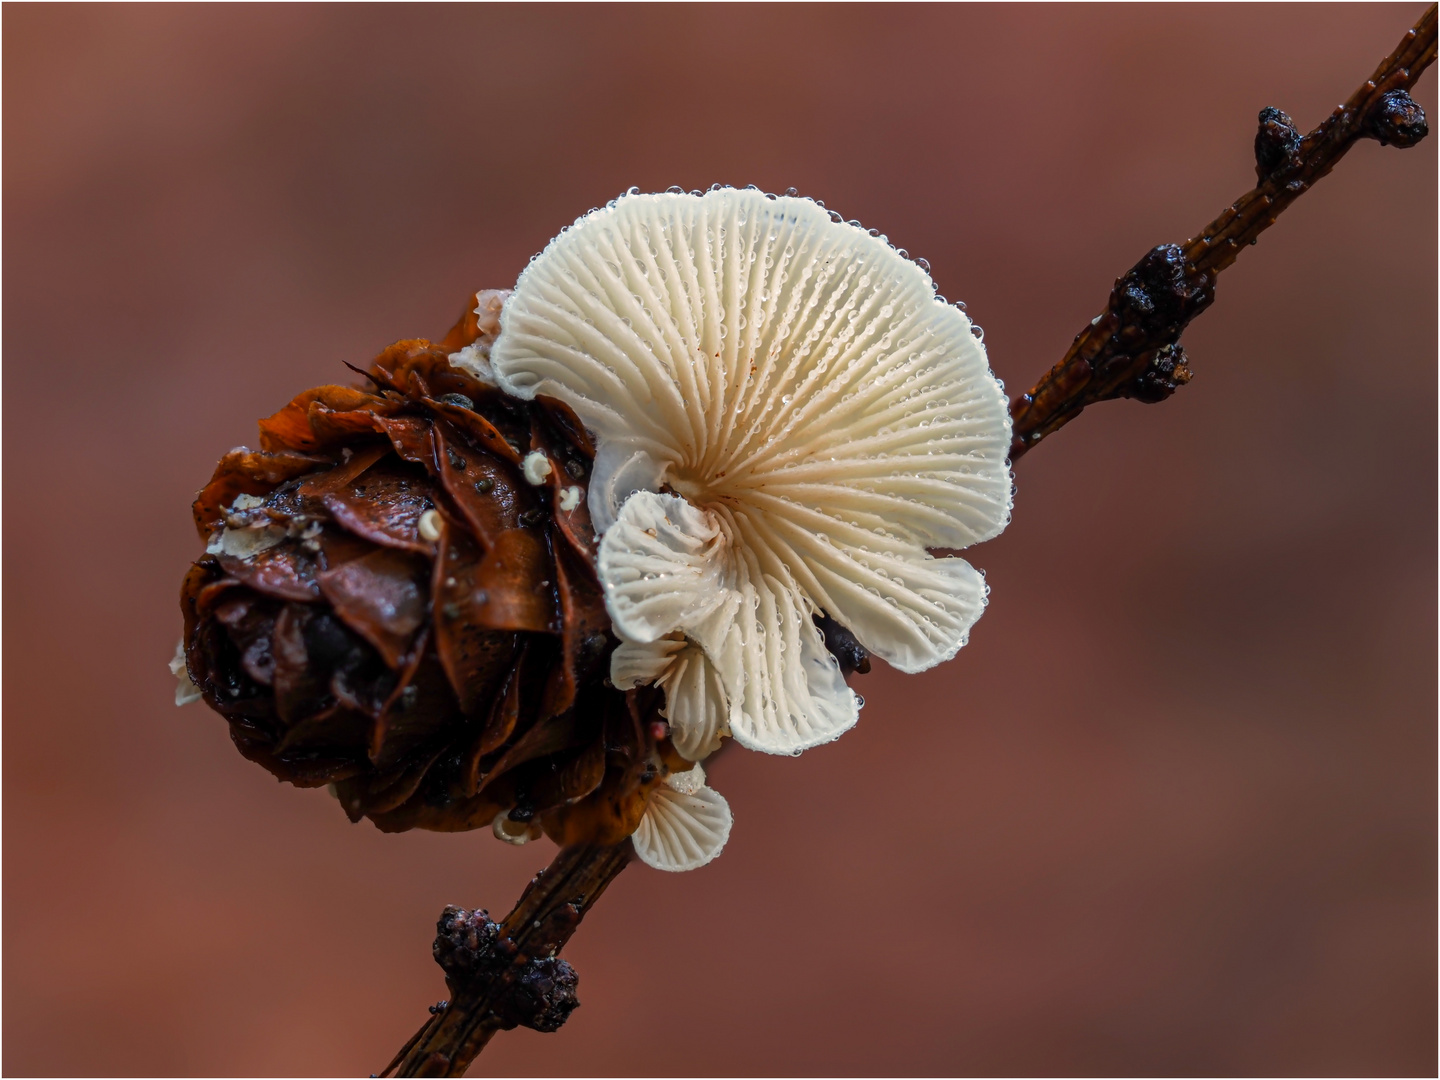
(787, 417)
(514, 832)
(536, 467)
(695, 696)
(685, 823)
(185, 689)
(474, 358)
(429, 525)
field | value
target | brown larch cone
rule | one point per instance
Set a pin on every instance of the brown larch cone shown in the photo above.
(387, 605)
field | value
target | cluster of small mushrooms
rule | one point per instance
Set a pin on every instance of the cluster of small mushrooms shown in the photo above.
(531, 576)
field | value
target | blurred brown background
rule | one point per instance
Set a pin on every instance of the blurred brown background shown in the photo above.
(1172, 811)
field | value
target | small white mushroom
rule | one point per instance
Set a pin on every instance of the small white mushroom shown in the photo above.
(685, 824)
(695, 694)
(663, 567)
(515, 832)
(474, 359)
(635, 664)
(688, 782)
(185, 689)
(667, 566)
(429, 525)
(536, 467)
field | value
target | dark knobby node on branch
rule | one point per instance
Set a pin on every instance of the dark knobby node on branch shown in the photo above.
(1397, 120)
(1154, 302)
(1130, 351)
(1156, 298)
(466, 945)
(1167, 371)
(480, 961)
(1151, 304)
(507, 975)
(542, 997)
(1275, 143)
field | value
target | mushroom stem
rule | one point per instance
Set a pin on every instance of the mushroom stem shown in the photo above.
(506, 975)
(1130, 349)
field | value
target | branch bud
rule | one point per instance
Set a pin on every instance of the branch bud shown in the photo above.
(1275, 143)
(1397, 119)
(542, 997)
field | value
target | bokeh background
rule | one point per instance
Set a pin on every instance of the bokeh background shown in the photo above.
(1172, 811)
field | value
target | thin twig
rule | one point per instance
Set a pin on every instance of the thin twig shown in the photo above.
(1130, 349)
(505, 975)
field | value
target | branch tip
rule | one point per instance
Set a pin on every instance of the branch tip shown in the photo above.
(1131, 349)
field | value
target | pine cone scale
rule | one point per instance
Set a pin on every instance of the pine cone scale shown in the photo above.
(487, 492)
(476, 656)
(382, 597)
(420, 708)
(584, 624)
(280, 573)
(504, 718)
(301, 688)
(248, 472)
(295, 426)
(412, 438)
(486, 436)
(384, 505)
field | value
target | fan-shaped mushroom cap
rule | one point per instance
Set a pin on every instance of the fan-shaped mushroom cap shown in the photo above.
(667, 566)
(824, 415)
(685, 823)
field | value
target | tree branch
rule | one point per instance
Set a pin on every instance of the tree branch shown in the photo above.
(507, 975)
(1131, 349)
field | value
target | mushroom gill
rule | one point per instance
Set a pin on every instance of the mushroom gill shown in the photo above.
(787, 417)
